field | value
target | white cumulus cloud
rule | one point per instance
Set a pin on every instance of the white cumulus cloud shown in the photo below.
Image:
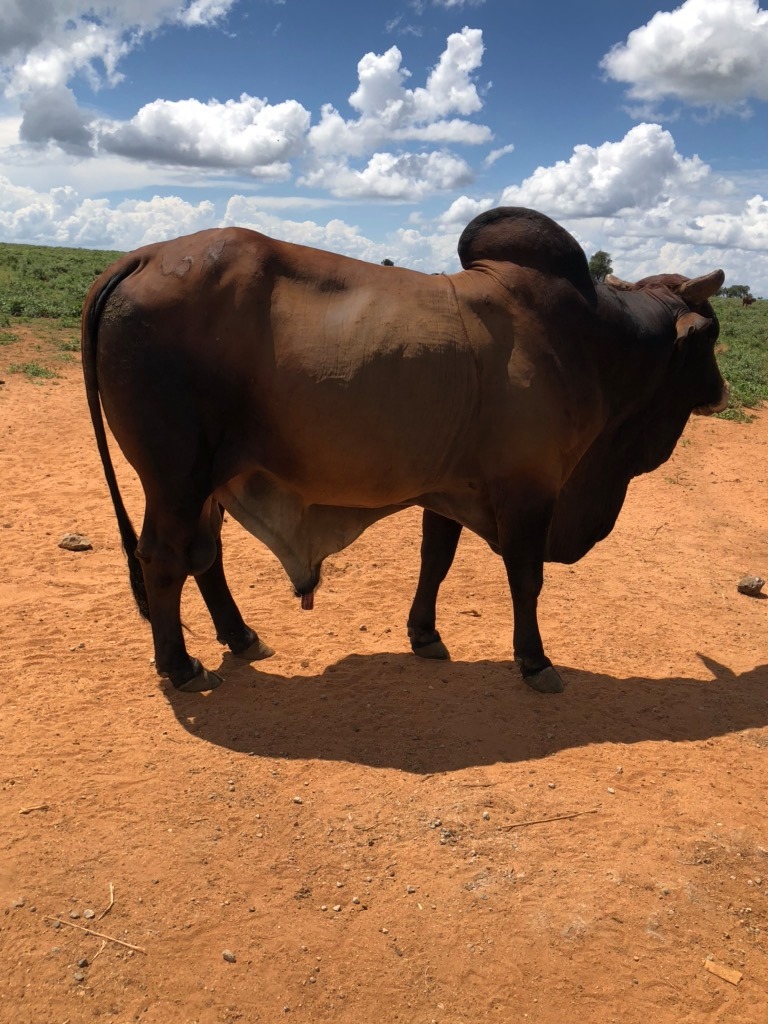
(391, 112)
(599, 181)
(707, 53)
(43, 43)
(404, 176)
(248, 133)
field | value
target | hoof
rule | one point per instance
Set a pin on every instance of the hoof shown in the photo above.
(257, 651)
(194, 679)
(204, 680)
(546, 681)
(436, 651)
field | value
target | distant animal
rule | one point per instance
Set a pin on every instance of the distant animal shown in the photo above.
(309, 395)
(747, 300)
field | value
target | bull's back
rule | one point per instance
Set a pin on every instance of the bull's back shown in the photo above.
(353, 382)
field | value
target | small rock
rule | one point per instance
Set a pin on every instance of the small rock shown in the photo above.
(298, 800)
(611, 789)
(486, 816)
(75, 542)
(363, 629)
(18, 904)
(355, 900)
(410, 889)
(78, 976)
(82, 962)
(750, 585)
(89, 914)
(337, 908)
(551, 785)
(229, 956)
(74, 914)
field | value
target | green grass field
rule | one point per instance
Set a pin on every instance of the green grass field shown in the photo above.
(44, 287)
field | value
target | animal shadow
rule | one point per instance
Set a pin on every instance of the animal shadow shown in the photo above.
(398, 711)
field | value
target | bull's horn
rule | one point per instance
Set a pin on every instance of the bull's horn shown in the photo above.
(616, 282)
(699, 289)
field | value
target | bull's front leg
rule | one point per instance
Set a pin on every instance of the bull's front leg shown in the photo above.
(523, 523)
(439, 539)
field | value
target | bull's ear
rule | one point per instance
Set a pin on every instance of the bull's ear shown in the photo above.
(700, 289)
(616, 282)
(691, 323)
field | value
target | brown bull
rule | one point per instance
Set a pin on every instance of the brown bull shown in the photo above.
(309, 395)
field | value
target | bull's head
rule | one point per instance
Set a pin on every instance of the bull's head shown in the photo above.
(695, 320)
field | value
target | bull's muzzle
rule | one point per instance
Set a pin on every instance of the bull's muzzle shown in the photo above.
(719, 406)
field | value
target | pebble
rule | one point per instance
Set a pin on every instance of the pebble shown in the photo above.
(355, 900)
(750, 585)
(89, 914)
(486, 816)
(298, 800)
(337, 908)
(551, 785)
(611, 789)
(324, 907)
(18, 904)
(82, 962)
(75, 542)
(229, 956)
(78, 976)
(410, 889)
(74, 914)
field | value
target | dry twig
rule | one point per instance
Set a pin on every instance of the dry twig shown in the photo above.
(541, 821)
(103, 947)
(111, 902)
(37, 807)
(99, 935)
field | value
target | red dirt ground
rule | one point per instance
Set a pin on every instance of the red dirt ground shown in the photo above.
(357, 826)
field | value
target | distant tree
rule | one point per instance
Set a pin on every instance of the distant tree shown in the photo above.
(600, 265)
(387, 263)
(735, 291)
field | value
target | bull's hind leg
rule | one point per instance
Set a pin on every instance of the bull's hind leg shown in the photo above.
(175, 542)
(439, 539)
(230, 626)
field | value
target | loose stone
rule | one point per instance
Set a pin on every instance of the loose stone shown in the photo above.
(229, 956)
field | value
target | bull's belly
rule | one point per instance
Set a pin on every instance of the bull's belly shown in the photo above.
(299, 532)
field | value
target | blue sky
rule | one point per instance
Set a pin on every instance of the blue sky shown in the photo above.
(380, 129)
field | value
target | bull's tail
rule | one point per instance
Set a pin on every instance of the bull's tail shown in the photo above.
(92, 310)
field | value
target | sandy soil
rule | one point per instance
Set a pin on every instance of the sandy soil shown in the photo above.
(361, 829)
